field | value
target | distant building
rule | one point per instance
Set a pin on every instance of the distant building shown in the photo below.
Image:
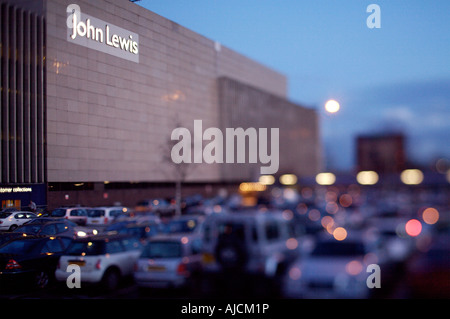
(381, 153)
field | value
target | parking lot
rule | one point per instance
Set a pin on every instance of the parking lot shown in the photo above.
(312, 243)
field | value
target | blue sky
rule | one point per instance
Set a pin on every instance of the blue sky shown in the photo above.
(396, 78)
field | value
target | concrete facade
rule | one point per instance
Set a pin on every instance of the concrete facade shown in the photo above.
(107, 118)
(242, 105)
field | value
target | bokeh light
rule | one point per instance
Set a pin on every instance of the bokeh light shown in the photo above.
(413, 227)
(332, 106)
(345, 200)
(288, 179)
(430, 215)
(325, 178)
(354, 267)
(314, 215)
(266, 179)
(367, 177)
(411, 177)
(291, 243)
(340, 233)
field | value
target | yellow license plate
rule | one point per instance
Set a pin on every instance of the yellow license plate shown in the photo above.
(80, 263)
(208, 258)
(156, 268)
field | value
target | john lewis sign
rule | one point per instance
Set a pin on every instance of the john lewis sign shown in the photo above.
(96, 34)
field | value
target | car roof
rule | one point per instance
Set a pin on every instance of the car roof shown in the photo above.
(248, 215)
(21, 211)
(32, 237)
(171, 237)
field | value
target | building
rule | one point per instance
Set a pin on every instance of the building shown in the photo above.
(91, 91)
(383, 153)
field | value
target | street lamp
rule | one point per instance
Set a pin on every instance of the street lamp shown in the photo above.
(332, 106)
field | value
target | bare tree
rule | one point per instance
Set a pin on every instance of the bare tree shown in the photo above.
(178, 172)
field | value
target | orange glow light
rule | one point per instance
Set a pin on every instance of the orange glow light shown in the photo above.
(430, 215)
(354, 267)
(340, 233)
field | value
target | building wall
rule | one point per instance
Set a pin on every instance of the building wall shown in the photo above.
(245, 106)
(22, 95)
(381, 153)
(108, 119)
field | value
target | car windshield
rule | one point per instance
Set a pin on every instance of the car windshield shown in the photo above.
(96, 212)
(162, 249)
(31, 229)
(4, 215)
(19, 247)
(339, 249)
(86, 248)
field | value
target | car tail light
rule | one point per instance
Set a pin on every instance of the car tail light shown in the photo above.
(98, 264)
(1, 222)
(182, 270)
(106, 220)
(12, 264)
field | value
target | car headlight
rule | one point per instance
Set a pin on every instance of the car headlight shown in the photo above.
(81, 233)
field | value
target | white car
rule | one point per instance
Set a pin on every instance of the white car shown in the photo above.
(168, 261)
(11, 220)
(394, 241)
(103, 259)
(104, 215)
(333, 269)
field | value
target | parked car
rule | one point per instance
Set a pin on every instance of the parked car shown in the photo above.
(394, 241)
(183, 224)
(429, 272)
(7, 236)
(155, 205)
(53, 227)
(11, 220)
(142, 230)
(31, 260)
(261, 243)
(333, 269)
(103, 259)
(168, 261)
(104, 215)
(76, 214)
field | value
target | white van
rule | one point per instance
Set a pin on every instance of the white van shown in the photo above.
(104, 215)
(257, 242)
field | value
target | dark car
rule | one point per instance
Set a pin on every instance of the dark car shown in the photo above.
(429, 273)
(6, 237)
(31, 260)
(142, 230)
(49, 227)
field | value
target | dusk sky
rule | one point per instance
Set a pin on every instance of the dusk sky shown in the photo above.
(396, 78)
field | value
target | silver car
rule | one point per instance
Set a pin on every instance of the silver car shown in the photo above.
(168, 261)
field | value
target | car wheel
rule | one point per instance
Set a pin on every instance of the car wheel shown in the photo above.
(111, 279)
(232, 256)
(42, 279)
(13, 227)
